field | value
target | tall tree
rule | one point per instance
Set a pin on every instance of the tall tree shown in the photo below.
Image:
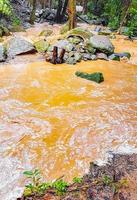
(72, 14)
(61, 11)
(32, 16)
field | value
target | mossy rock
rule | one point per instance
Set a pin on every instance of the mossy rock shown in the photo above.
(89, 47)
(82, 33)
(96, 77)
(41, 46)
(46, 32)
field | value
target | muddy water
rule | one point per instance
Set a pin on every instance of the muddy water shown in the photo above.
(54, 121)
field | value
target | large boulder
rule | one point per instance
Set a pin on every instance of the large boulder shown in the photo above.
(2, 53)
(18, 45)
(102, 44)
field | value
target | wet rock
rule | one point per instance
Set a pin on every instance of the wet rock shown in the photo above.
(125, 54)
(89, 47)
(84, 34)
(18, 45)
(75, 40)
(41, 46)
(64, 44)
(93, 57)
(96, 77)
(102, 56)
(2, 54)
(86, 56)
(102, 43)
(71, 61)
(78, 57)
(114, 57)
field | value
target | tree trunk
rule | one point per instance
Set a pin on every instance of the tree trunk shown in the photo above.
(58, 14)
(72, 14)
(85, 8)
(32, 16)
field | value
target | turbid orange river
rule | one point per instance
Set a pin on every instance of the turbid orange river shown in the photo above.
(52, 120)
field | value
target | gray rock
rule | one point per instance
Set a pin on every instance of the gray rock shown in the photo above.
(18, 45)
(102, 56)
(93, 57)
(114, 57)
(71, 61)
(78, 57)
(125, 54)
(102, 43)
(87, 56)
(2, 56)
(64, 44)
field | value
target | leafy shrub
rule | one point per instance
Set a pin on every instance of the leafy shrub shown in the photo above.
(5, 8)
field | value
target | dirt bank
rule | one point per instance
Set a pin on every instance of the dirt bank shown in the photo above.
(117, 180)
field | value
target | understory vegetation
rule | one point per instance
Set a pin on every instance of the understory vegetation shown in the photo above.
(59, 187)
(119, 15)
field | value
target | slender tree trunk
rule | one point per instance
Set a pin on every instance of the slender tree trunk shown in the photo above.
(32, 16)
(85, 8)
(50, 4)
(72, 14)
(125, 15)
(58, 14)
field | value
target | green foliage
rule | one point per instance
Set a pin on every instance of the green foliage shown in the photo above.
(16, 21)
(60, 186)
(5, 7)
(38, 187)
(107, 180)
(77, 180)
(116, 185)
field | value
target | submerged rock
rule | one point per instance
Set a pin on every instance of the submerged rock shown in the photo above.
(2, 53)
(96, 77)
(18, 45)
(102, 44)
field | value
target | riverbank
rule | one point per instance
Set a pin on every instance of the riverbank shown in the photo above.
(117, 180)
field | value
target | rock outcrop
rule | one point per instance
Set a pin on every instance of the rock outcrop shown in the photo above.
(18, 45)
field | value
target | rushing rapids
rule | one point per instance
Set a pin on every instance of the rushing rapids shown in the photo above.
(52, 120)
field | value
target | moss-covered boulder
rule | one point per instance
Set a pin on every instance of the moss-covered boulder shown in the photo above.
(41, 46)
(102, 43)
(84, 34)
(46, 32)
(96, 77)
